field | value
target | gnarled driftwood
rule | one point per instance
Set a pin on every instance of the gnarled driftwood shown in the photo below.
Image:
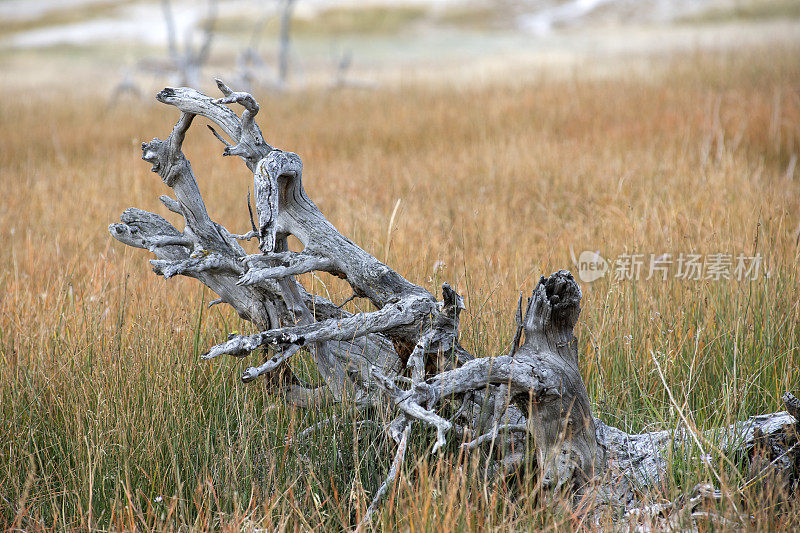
(406, 352)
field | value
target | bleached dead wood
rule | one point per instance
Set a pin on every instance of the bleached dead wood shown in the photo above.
(284, 43)
(126, 86)
(528, 406)
(251, 68)
(187, 62)
(183, 64)
(341, 78)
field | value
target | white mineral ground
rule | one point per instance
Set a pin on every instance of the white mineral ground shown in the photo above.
(39, 45)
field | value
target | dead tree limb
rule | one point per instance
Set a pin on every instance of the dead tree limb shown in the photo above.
(405, 355)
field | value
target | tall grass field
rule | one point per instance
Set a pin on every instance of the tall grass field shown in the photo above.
(110, 421)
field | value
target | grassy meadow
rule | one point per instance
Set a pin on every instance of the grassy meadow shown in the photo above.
(109, 420)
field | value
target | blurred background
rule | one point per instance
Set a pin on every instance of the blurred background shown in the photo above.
(479, 143)
(139, 45)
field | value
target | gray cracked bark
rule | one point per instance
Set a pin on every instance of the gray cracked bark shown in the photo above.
(406, 354)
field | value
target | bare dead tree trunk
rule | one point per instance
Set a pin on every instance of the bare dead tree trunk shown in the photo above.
(186, 64)
(405, 355)
(340, 77)
(342, 66)
(287, 7)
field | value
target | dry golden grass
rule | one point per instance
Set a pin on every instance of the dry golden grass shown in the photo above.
(106, 407)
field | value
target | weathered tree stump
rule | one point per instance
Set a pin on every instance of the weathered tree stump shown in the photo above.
(407, 352)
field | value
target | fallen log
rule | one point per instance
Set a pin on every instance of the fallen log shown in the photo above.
(530, 405)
